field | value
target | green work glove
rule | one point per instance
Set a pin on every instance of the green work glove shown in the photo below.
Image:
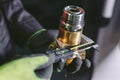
(37, 67)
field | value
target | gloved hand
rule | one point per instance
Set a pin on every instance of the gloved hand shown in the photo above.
(73, 67)
(43, 40)
(35, 67)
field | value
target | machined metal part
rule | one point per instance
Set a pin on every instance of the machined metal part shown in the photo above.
(71, 25)
(72, 18)
(70, 35)
(67, 52)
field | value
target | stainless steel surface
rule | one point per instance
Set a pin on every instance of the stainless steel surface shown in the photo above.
(72, 18)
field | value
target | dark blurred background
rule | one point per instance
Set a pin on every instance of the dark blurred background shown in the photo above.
(48, 13)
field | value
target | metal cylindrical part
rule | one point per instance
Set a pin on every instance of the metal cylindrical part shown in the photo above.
(71, 25)
(72, 18)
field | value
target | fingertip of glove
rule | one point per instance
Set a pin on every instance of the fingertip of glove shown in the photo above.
(51, 58)
(74, 66)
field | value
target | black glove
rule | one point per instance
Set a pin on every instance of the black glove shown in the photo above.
(73, 67)
(41, 42)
